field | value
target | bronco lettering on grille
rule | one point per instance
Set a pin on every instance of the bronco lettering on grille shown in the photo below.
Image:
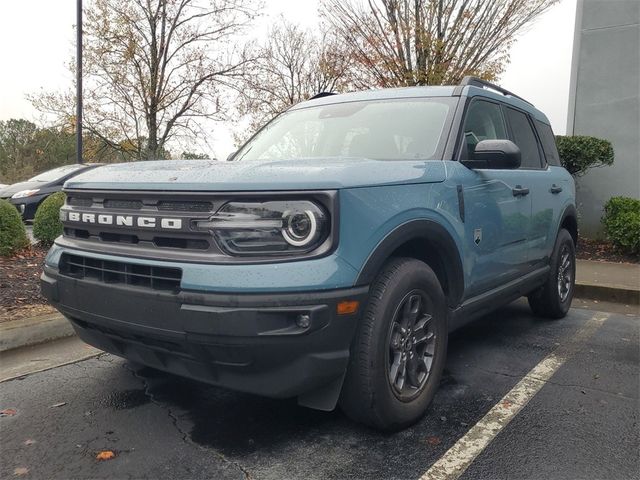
(126, 220)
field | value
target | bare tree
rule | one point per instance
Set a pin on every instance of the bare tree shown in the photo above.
(429, 42)
(154, 68)
(293, 65)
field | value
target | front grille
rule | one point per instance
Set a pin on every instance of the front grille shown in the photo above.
(127, 204)
(111, 272)
(79, 201)
(123, 204)
(185, 206)
(104, 230)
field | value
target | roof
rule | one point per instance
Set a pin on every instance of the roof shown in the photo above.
(421, 92)
(379, 94)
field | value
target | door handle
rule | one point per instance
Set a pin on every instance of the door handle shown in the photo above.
(520, 191)
(555, 188)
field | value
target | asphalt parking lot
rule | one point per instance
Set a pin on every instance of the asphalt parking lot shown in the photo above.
(520, 398)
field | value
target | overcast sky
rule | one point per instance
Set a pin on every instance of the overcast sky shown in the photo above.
(37, 39)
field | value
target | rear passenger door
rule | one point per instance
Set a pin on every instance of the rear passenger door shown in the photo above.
(540, 180)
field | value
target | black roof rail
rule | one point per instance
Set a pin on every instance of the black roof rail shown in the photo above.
(478, 82)
(322, 94)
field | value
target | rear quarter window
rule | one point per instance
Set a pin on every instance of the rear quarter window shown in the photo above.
(548, 140)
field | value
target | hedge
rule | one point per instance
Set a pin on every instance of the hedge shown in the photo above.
(13, 236)
(621, 222)
(46, 224)
(580, 153)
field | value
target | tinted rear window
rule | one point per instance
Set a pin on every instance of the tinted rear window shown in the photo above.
(548, 143)
(524, 138)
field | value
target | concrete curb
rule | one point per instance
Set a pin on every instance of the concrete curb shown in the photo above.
(606, 293)
(31, 331)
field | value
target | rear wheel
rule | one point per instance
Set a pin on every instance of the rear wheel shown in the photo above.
(400, 348)
(553, 299)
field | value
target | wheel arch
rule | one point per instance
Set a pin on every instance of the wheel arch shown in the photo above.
(427, 241)
(569, 221)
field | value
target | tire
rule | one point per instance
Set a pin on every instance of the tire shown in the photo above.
(405, 291)
(553, 299)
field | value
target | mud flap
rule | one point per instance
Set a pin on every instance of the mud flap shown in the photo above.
(324, 398)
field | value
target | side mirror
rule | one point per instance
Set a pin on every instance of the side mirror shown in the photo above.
(495, 154)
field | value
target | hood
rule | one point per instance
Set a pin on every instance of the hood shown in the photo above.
(305, 174)
(9, 190)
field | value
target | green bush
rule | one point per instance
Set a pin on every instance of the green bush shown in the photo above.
(622, 223)
(46, 224)
(578, 153)
(13, 236)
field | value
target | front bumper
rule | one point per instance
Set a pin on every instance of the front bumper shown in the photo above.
(245, 342)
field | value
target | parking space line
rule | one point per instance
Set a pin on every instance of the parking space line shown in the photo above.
(458, 458)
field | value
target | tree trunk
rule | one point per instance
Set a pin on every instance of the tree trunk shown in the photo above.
(152, 141)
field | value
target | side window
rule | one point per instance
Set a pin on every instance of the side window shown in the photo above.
(548, 140)
(524, 138)
(484, 121)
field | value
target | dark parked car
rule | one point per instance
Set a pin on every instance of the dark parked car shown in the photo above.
(28, 195)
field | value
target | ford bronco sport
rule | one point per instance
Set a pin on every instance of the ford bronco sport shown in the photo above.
(331, 257)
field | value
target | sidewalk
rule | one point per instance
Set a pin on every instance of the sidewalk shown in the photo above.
(615, 282)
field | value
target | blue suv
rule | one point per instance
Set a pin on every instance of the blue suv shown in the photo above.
(334, 253)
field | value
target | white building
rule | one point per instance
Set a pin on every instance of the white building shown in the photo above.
(604, 100)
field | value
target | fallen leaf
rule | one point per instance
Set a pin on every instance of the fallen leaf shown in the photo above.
(507, 404)
(433, 440)
(105, 455)
(56, 405)
(8, 412)
(19, 471)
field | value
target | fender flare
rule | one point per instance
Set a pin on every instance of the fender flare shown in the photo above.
(426, 230)
(569, 212)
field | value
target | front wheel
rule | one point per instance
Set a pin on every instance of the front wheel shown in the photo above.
(400, 348)
(553, 299)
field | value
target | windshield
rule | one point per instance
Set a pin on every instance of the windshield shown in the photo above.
(398, 129)
(56, 173)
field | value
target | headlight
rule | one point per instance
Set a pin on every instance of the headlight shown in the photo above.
(25, 193)
(269, 228)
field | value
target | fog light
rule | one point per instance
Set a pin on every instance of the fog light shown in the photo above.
(303, 321)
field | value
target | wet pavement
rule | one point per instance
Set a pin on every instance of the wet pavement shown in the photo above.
(583, 423)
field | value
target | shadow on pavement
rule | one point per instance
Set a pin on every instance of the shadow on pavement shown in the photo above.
(238, 424)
